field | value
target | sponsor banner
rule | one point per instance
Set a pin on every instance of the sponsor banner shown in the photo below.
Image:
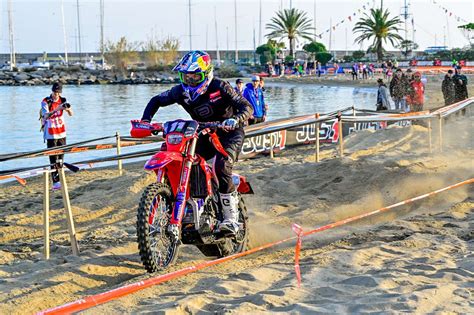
(328, 133)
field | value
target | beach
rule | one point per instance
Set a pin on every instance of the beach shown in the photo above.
(416, 258)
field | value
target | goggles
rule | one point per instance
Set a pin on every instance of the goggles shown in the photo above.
(191, 78)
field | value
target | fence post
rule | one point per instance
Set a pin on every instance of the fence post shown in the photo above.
(317, 157)
(429, 135)
(271, 146)
(440, 122)
(341, 138)
(67, 207)
(119, 144)
(46, 215)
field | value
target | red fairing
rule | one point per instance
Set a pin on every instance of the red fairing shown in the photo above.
(162, 158)
(142, 129)
(244, 186)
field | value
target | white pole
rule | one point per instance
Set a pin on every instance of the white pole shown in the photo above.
(260, 25)
(46, 215)
(207, 37)
(314, 20)
(236, 31)
(217, 38)
(102, 17)
(79, 31)
(190, 35)
(11, 36)
(64, 33)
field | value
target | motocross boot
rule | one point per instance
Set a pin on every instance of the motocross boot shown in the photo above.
(230, 203)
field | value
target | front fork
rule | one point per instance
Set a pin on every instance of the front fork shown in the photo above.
(180, 203)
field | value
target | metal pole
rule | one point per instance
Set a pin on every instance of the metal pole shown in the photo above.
(67, 207)
(190, 36)
(102, 47)
(236, 30)
(440, 120)
(217, 38)
(119, 144)
(46, 215)
(79, 31)
(64, 34)
(317, 157)
(429, 135)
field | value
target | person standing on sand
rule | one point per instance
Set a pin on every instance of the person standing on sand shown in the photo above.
(399, 90)
(448, 88)
(254, 95)
(54, 127)
(416, 94)
(239, 86)
(383, 97)
(460, 84)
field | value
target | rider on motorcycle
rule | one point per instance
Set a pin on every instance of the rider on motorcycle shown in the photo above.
(206, 98)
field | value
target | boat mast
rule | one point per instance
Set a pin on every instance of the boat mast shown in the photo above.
(11, 36)
(64, 33)
(79, 31)
(260, 25)
(102, 47)
(190, 29)
(235, 22)
(217, 38)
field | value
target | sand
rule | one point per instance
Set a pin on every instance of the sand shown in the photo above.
(415, 259)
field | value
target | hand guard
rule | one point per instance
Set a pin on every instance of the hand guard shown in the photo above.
(230, 124)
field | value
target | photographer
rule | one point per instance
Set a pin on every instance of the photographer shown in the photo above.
(53, 126)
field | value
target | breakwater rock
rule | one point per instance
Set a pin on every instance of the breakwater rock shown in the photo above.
(48, 77)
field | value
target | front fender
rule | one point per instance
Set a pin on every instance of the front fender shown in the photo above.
(162, 158)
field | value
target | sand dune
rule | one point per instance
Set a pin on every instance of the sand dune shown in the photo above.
(417, 259)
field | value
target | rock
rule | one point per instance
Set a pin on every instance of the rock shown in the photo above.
(21, 77)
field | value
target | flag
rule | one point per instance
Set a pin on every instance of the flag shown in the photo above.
(350, 18)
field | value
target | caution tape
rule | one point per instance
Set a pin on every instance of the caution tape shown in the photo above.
(107, 296)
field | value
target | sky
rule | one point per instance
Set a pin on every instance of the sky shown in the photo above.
(38, 23)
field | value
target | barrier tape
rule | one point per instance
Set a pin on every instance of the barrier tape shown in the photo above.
(299, 233)
(107, 296)
(19, 179)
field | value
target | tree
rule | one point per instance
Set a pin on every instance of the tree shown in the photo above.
(407, 46)
(358, 55)
(121, 53)
(268, 51)
(291, 24)
(323, 57)
(379, 27)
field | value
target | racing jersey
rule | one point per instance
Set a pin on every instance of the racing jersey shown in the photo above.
(218, 103)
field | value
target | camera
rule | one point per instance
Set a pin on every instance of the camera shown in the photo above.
(66, 105)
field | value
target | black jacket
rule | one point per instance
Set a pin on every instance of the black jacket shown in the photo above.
(219, 103)
(449, 91)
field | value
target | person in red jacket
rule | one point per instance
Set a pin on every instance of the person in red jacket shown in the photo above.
(416, 95)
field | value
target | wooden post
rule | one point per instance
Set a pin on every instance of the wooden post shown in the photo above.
(429, 136)
(119, 144)
(271, 146)
(46, 215)
(440, 121)
(341, 138)
(67, 207)
(317, 157)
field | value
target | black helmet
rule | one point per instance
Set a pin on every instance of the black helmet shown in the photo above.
(57, 87)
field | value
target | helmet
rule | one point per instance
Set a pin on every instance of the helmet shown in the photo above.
(198, 64)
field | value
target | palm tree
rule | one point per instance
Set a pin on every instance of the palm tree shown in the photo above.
(292, 24)
(380, 27)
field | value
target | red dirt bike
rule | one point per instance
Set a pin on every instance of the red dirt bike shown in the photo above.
(185, 194)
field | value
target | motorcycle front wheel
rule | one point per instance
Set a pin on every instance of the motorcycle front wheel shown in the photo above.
(157, 248)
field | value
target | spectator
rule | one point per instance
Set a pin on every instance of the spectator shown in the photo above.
(52, 121)
(319, 69)
(253, 94)
(383, 97)
(448, 87)
(416, 98)
(239, 86)
(460, 85)
(365, 72)
(371, 70)
(399, 90)
(262, 84)
(354, 72)
(409, 75)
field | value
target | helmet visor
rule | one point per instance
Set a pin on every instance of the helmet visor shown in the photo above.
(191, 78)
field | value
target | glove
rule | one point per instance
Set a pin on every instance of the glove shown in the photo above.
(230, 124)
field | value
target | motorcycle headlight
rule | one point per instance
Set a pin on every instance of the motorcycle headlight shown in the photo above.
(174, 139)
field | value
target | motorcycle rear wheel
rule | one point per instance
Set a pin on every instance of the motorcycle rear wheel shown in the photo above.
(157, 248)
